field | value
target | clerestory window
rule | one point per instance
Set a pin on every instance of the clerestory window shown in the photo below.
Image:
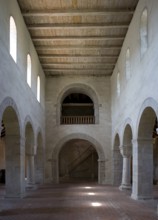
(13, 39)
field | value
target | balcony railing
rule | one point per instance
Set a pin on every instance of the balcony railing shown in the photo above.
(67, 120)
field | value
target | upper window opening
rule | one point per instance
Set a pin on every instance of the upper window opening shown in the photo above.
(77, 108)
(38, 88)
(13, 39)
(128, 69)
(118, 84)
(29, 70)
(144, 32)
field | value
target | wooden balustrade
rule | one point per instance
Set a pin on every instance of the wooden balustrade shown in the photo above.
(77, 120)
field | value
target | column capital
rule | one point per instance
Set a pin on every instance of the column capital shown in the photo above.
(126, 150)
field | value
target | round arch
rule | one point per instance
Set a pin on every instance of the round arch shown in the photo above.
(13, 148)
(9, 102)
(143, 149)
(39, 158)
(78, 88)
(127, 132)
(128, 123)
(116, 143)
(117, 161)
(126, 150)
(148, 103)
(29, 135)
(95, 144)
(29, 150)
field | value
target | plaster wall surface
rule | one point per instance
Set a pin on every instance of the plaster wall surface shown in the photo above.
(142, 85)
(101, 132)
(13, 84)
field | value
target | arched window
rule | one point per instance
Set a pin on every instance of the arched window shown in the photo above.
(128, 69)
(144, 32)
(29, 70)
(118, 83)
(13, 39)
(38, 88)
(77, 108)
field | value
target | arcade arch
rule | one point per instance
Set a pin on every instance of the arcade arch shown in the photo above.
(91, 141)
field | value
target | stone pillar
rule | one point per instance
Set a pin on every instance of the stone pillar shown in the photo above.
(15, 157)
(30, 170)
(142, 169)
(126, 151)
(117, 167)
(39, 171)
(55, 171)
(101, 171)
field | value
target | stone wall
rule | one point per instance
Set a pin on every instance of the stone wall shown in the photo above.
(98, 88)
(18, 102)
(136, 104)
(13, 75)
(143, 82)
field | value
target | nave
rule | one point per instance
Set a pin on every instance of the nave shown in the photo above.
(77, 201)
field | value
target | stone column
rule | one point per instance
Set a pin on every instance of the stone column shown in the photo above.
(117, 167)
(55, 171)
(15, 157)
(126, 151)
(142, 169)
(39, 171)
(30, 170)
(101, 171)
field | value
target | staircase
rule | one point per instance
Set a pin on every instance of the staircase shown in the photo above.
(77, 162)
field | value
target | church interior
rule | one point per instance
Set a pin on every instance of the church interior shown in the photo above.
(78, 109)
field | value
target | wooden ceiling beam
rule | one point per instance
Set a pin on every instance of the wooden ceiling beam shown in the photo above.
(71, 65)
(51, 38)
(76, 56)
(71, 69)
(77, 25)
(58, 73)
(77, 12)
(80, 63)
(81, 47)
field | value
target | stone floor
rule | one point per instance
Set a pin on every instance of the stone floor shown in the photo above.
(75, 202)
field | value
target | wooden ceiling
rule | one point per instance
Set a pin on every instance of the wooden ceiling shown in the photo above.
(78, 36)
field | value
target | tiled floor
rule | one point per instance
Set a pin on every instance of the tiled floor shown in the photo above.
(75, 202)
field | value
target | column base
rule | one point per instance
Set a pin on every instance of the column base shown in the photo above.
(141, 197)
(125, 187)
(31, 186)
(15, 196)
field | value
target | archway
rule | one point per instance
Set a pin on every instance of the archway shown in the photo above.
(13, 161)
(39, 161)
(155, 153)
(89, 139)
(126, 151)
(117, 162)
(143, 156)
(80, 89)
(77, 108)
(2, 154)
(29, 154)
(78, 161)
